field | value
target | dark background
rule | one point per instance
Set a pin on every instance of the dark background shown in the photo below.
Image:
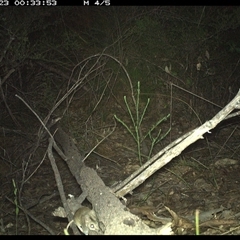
(185, 57)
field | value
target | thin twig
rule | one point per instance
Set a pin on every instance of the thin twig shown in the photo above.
(99, 142)
(33, 218)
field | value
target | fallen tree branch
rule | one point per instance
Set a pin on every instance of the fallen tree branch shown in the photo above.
(113, 218)
(174, 149)
(60, 185)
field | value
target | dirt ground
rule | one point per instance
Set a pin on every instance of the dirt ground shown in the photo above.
(204, 177)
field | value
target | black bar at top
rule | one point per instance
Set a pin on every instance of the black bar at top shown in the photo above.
(97, 3)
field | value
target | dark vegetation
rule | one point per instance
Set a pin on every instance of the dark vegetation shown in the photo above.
(186, 59)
